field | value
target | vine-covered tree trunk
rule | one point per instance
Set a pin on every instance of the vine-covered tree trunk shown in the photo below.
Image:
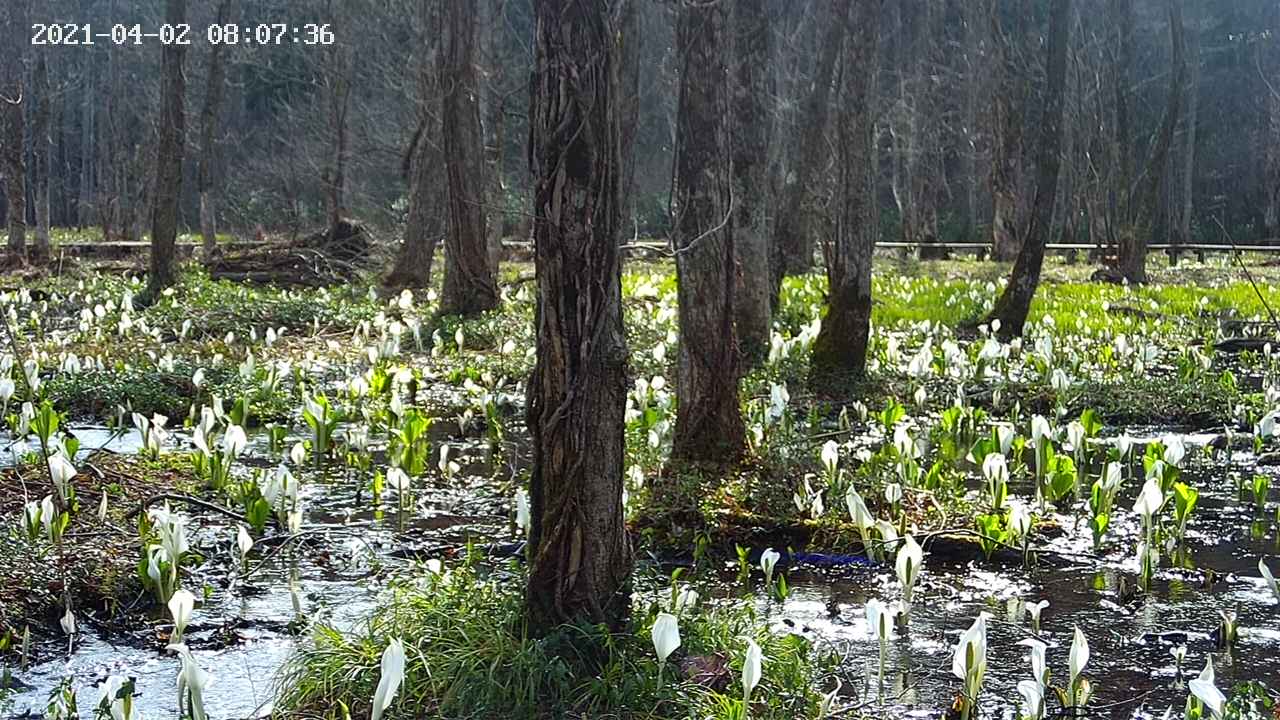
(579, 557)
(750, 143)
(840, 350)
(709, 425)
(470, 285)
(41, 150)
(1015, 302)
(12, 107)
(208, 130)
(793, 237)
(1132, 263)
(1008, 109)
(169, 154)
(422, 166)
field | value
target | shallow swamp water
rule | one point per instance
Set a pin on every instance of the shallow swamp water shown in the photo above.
(244, 628)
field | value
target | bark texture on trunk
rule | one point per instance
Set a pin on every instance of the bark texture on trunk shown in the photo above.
(422, 170)
(579, 555)
(470, 285)
(793, 236)
(1015, 302)
(169, 154)
(339, 97)
(1269, 66)
(750, 143)
(631, 40)
(493, 114)
(1132, 263)
(840, 350)
(13, 103)
(1186, 214)
(1008, 113)
(208, 137)
(709, 425)
(41, 151)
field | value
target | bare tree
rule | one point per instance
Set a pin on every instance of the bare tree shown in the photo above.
(470, 285)
(13, 103)
(709, 425)
(208, 137)
(169, 154)
(1008, 110)
(792, 235)
(1132, 262)
(1269, 70)
(41, 148)
(840, 350)
(338, 70)
(750, 147)
(1186, 214)
(422, 165)
(580, 560)
(1015, 302)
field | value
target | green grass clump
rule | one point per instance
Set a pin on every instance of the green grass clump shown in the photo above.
(467, 656)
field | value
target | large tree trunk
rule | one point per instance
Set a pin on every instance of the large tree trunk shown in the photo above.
(42, 148)
(840, 350)
(1008, 110)
(750, 143)
(470, 285)
(169, 152)
(709, 425)
(1132, 263)
(579, 556)
(12, 106)
(208, 131)
(1015, 302)
(422, 170)
(793, 236)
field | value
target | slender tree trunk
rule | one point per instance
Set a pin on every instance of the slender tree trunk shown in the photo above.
(927, 174)
(493, 113)
(88, 150)
(470, 285)
(840, 350)
(579, 555)
(631, 38)
(341, 62)
(1269, 65)
(1132, 263)
(1015, 302)
(208, 139)
(1008, 110)
(793, 236)
(1121, 190)
(709, 425)
(1187, 212)
(169, 153)
(750, 143)
(13, 103)
(422, 169)
(42, 148)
